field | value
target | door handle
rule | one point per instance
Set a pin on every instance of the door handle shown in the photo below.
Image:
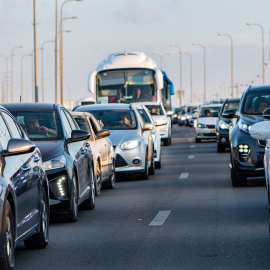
(25, 168)
(36, 159)
(87, 144)
(83, 151)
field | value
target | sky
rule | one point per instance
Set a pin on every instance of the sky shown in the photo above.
(150, 26)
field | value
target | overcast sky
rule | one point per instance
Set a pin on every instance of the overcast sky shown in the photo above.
(104, 27)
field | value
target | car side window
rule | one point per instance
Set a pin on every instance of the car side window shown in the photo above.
(66, 124)
(4, 133)
(16, 132)
(95, 129)
(71, 121)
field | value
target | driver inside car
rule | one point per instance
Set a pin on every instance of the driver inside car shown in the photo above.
(32, 126)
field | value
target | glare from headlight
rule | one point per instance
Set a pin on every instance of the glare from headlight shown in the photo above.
(223, 125)
(130, 145)
(201, 125)
(55, 163)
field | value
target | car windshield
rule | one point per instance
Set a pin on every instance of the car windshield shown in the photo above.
(39, 126)
(155, 109)
(116, 119)
(81, 122)
(231, 105)
(256, 103)
(209, 111)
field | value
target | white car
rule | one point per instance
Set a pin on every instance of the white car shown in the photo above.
(162, 121)
(155, 134)
(205, 124)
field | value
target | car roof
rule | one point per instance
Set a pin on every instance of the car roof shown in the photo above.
(231, 100)
(78, 113)
(149, 103)
(31, 106)
(211, 105)
(258, 87)
(111, 106)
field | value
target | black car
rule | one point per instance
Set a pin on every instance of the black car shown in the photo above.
(66, 155)
(246, 158)
(223, 124)
(24, 190)
(175, 115)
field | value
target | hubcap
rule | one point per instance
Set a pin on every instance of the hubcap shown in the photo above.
(44, 219)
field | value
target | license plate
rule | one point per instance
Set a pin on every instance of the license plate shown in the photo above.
(213, 131)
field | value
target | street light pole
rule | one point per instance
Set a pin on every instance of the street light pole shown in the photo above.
(229, 36)
(35, 53)
(191, 90)
(181, 80)
(204, 50)
(161, 58)
(6, 58)
(42, 65)
(3, 87)
(12, 70)
(263, 67)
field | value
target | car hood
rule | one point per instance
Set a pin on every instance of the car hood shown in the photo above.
(159, 119)
(119, 136)
(50, 149)
(207, 120)
(252, 119)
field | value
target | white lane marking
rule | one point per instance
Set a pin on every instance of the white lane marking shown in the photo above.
(192, 146)
(183, 175)
(160, 218)
(190, 140)
(191, 156)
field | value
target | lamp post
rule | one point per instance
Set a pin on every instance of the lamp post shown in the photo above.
(161, 58)
(3, 87)
(12, 70)
(42, 65)
(263, 68)
(22, 73)
(191, 91)
(204, 50)
(229, 36)
(61, 56)
(180, 56)
(35, 54)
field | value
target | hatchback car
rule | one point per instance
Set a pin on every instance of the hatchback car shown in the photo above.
(205, 124)
(102, 149)
(247, 153)
(66, 156)
(223, 124)
(131, 138)
(24, 190)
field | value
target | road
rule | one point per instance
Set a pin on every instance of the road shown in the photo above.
(186, 216)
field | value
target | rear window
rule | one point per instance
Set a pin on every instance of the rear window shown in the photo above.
(155, 109)
(231, 105)
(209, 111)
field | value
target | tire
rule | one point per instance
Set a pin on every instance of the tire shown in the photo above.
(220, 148)
(109, 184)
(98, 180)
(166, 142)
(72, 215)
(41, 239)
(158, 163)
(89, 204)
(8, 260)
(152, 167)
(197, 140)
(145, 174)
(238, 181)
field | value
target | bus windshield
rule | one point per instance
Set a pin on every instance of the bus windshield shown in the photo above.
(125, 86)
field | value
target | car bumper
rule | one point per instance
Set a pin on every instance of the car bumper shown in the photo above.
(205, 133)
(223, 137)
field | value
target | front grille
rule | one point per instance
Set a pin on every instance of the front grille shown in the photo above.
(211, 126)
(120, 162)
(261, 143)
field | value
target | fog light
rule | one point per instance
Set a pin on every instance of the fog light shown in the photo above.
(223, 140)
(59, 187)
(244, 152)
(136, 161)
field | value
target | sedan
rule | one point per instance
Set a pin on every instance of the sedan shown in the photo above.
(66, 156)
(131, 137)
(102, 149)
(24, 190)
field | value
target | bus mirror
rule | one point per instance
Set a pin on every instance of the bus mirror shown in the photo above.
(159, 79)
(92, 82)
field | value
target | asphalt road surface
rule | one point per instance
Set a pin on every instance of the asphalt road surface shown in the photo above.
(186, 216)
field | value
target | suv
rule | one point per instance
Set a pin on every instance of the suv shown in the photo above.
(246, 156)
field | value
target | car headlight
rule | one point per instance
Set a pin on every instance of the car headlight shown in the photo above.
(175, 115)
(245, 127)
(188, 117)
(130, 145)
(55, 163)
(223, 125)
(199, 125)
(183, 118)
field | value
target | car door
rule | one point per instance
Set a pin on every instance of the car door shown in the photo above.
(20, 170)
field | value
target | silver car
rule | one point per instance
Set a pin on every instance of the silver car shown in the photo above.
(131, 138)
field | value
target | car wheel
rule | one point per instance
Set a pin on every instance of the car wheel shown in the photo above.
(220, 148)
(166, 142)
(41, 239)
(145, 174)
(8, 259)
(72, 215)
(98, 180)
(158, 163)
(152, 167)
(197, 140)
(109, 184)
(238, 181)
(89, 204)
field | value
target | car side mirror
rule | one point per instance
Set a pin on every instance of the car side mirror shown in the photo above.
(103, 134)
(231, 113)
(19, 146)
(148, 126)
(266, 114)
(78, 135)
(260, 130)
